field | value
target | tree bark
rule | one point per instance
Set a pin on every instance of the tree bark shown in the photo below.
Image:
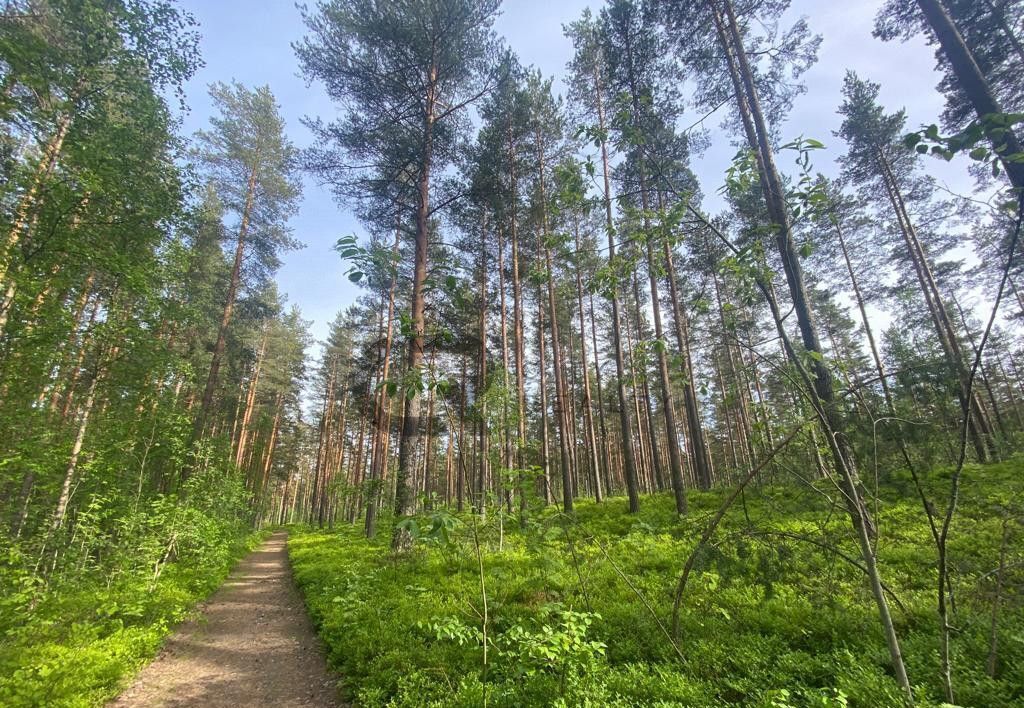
(481, 385)
(822, 389)
(588, 407)
(76, 450)
(545, 438)
(250, 399)
(517, 323)
(381, 431)
(29, 201)
(667, 406)
(401, 539)
(229, 307)
(975, 87)
(561, 411)
(980, 428)
(698, 443)
(625, 422)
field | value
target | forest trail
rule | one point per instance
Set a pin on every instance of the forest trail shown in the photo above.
(252, 646)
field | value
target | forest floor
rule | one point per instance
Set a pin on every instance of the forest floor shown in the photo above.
(575, 609)
(251, 645)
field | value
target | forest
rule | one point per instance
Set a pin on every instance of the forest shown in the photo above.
(595, 431)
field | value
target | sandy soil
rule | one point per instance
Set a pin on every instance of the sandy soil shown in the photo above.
(253, 645)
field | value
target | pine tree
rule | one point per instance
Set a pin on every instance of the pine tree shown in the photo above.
(250, 163)
(371, 56)
(878, 161)
(589, 86)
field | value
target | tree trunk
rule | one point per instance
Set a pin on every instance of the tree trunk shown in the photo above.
(605, 463)
(667, 406)
(642, 439)
(517, 326)
(588, 408)
(698, 443)
(250, 401)
(561, 411)
(481, 385)
(507, 461)
(460, 477)
(428, 448)
(545, 449)
(979, 428)
(268, 458)
(401, 539)
(76, 449)
(29, 201)
(983, 372)
(975, 87)
(727, 412)
(645, 392)
(865, 322)
(325, 427)
(625, 422)
(828, 412)
(229, 307)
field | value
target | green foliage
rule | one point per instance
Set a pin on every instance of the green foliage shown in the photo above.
(555, 643)
(975, 140)
(75, 639)
(773, 615)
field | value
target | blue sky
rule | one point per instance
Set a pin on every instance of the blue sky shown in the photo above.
(251, 42)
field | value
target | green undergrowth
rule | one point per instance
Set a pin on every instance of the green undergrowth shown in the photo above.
(773, 615)
(77, 639)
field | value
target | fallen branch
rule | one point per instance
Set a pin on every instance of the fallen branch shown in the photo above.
(636, 591)
(716, 520)
(832, 549)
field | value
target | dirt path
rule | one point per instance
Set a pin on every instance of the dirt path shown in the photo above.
(253, 646)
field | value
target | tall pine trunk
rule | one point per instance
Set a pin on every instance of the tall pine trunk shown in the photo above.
(401, 539)
(702, 466)
(977, 89)
(199, 425)
(979, 426)
(250, 399)
(625, 419)
(381, 432)
(588, 407)
(481, 381)
(561, 409)
(827, 408)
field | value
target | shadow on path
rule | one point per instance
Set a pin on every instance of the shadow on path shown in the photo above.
(252, 646)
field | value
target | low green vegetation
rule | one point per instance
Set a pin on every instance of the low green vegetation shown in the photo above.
(553, 292)
(776, 613)
(73, 637)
